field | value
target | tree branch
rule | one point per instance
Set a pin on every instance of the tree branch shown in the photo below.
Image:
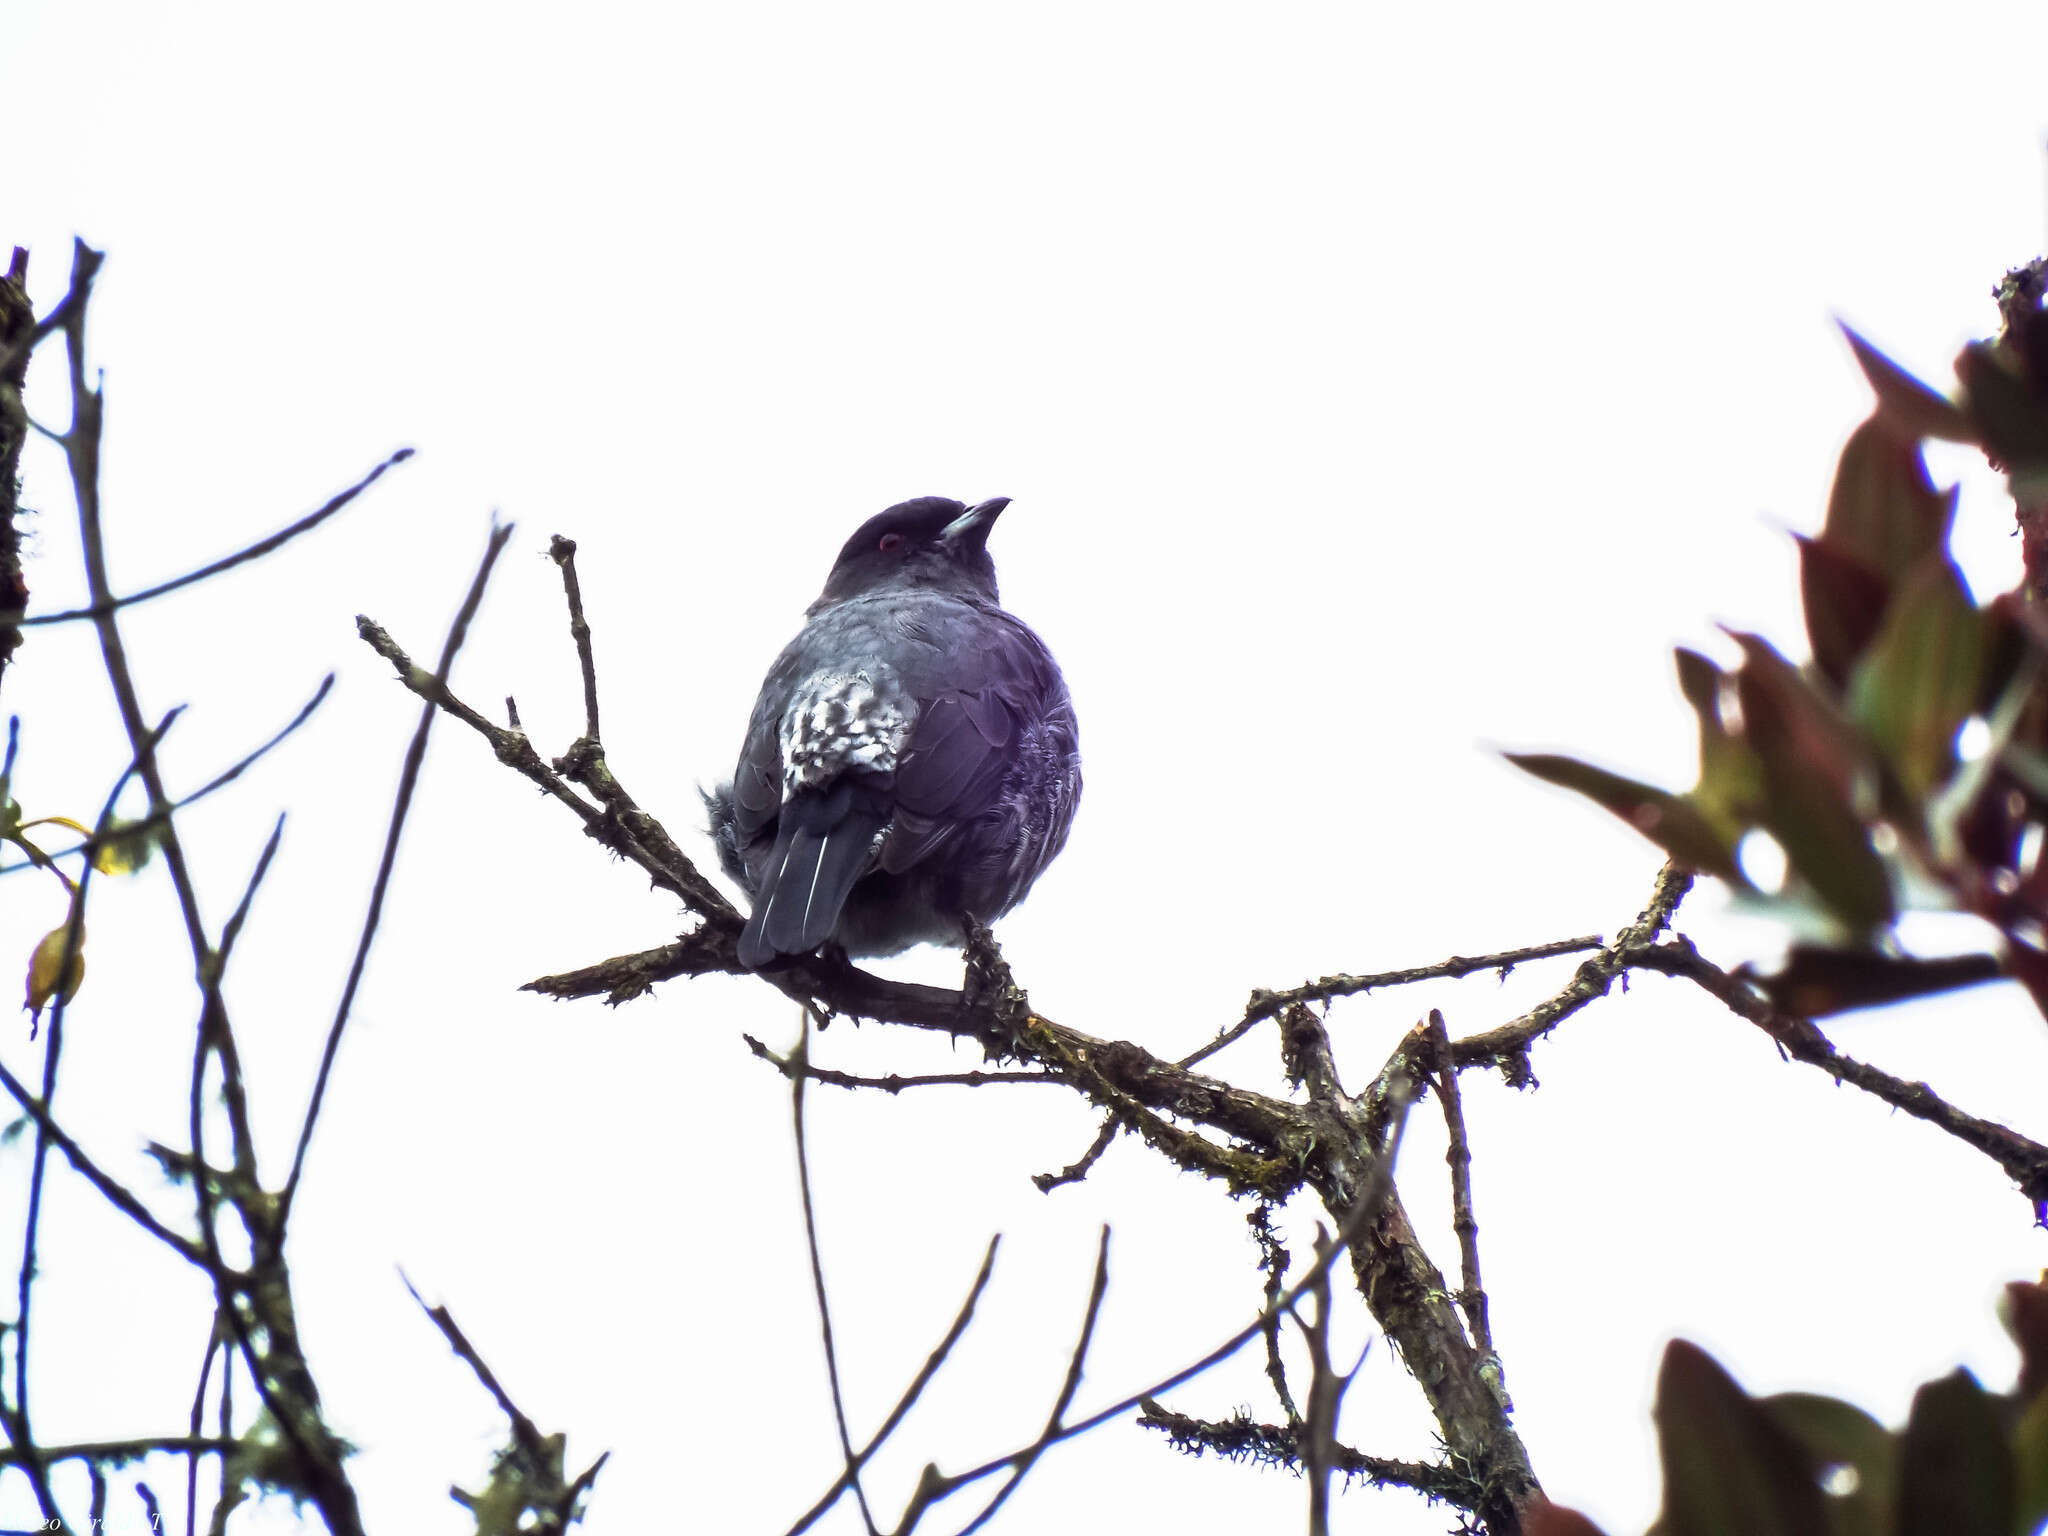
(408, 778)
(2024, 1160)
(1508, 1046)
(1265, 1005)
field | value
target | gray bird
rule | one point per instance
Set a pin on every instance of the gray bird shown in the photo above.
(912, 758)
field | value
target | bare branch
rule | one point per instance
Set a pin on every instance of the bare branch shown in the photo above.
(619, 824)
(116, 1194)
(1078, 1170)
(803, 1173)
(1317, 1437)
(1374, 1198)
(910, 1395)
(791, 1068)
(2024, 1160)
(535, 1481)
(1068, 1387)
(1459, 1155)
(1273, 1262)
(99, 608)
(1508, 1046)
(408, 778)
(1243, 1439)
(563, 552)
(119, 1453)
(148, 825)
(1265, 1005)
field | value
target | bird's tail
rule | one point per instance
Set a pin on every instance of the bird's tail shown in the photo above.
(825, 843)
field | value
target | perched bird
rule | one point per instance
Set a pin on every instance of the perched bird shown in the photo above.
(912, 758)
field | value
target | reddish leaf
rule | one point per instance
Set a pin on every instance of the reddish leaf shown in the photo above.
(2014, 425)
(1544, 1518)
(1729, 1468)
(2025, 1314)
(1815, 982)
(1668, 820)
(2028, 967)
(1819, 785)
(1904, 401)
(1883, 510)
(1955, 1470)
(1844, 600)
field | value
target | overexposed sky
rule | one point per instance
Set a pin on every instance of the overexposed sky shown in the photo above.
(1377, 386)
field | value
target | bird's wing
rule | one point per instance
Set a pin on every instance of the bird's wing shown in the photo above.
(950, 772)
(757, 783)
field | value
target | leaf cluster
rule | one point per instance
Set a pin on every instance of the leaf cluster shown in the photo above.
(1967, 1463)
(1906, 762)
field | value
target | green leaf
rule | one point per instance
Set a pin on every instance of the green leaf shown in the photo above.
(125, 847)
(1921, 678)
(1820, 784)
(1729, 1468)
(1730, 791)
(1838, 1434)
(1883, 510)
(1904, 401)
(2030, 1467)
(1955, 1471)
(1668, 820)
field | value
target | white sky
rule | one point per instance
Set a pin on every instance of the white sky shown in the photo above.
(1377, 385)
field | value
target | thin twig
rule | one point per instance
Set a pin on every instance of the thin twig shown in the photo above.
(16, 1415)
(803, 1173)
(1372, 1201)
(542, 1484)
(111, 1188)
(563, 552)
(1078, 1170)
(926, 1372)
(649, 846)
(408, 778)
(1273, 1262)
(1318, 1435)
(214, 1351)
(893, 1083)
(120, 1452)
(524, 1430)
(2025, 1160)
(1459, 1156)
(147, 825)
(1053, 1421)
(1508, 1046)
(103, 606)
(1243, 1438)
(1265, 1005)
(280, 1371)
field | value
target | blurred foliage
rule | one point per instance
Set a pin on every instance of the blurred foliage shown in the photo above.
(1906, 763)
(1967, 1463)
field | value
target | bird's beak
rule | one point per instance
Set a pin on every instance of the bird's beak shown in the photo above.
(973, 524)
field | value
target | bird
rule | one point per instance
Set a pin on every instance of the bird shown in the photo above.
(912, 760)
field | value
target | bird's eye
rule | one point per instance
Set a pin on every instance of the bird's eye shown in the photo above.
(890, 543)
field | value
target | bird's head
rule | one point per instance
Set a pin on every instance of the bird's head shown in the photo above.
(932, 542)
